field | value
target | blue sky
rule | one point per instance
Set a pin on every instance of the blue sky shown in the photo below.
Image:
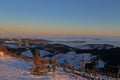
(62, 17)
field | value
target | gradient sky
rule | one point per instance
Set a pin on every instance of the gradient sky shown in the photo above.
(60, 17)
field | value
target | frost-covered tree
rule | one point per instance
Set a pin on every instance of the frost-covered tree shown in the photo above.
(40, 65)
(37, 62)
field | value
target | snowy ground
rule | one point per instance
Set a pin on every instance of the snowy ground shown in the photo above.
(18, 69)
(76, 60)
(28, 53)
(13, 69)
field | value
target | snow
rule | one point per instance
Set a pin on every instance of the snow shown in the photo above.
(97, 77)
(73, 59)
(100, 64)
(28, 53)
(43, 53)
(12, 69)
(9, 42)
(18, 69)
(11, 46)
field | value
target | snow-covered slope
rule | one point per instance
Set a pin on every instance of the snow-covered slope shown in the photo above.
(76, 60)
(11, 45)
(13, 69)
(28, 53)
(44, 52)
(18, 69)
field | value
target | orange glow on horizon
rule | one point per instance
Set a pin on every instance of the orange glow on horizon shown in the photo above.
(56, 31)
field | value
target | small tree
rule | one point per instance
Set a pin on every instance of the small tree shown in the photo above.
(40, 65)
(54, 68)
(4, 49)
(36, 66)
